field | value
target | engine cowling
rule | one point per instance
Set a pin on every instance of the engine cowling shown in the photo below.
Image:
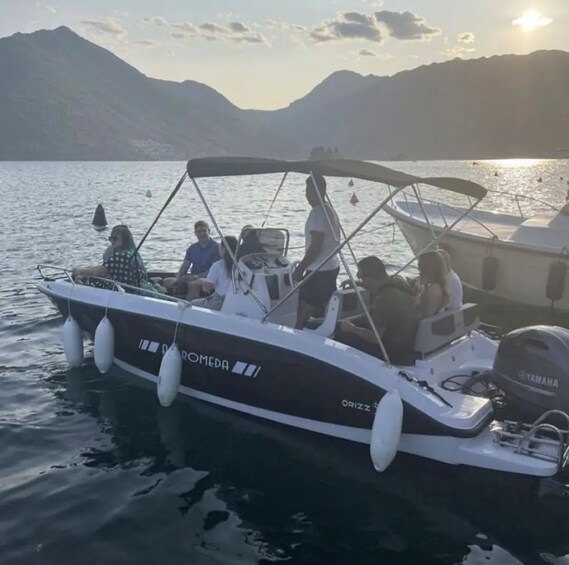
(532, 367)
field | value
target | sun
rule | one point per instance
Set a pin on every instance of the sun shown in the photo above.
(531, 20)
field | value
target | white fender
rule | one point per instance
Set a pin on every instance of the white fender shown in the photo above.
(170, 375)
(72, 342)
(386, 430)
(104, 349)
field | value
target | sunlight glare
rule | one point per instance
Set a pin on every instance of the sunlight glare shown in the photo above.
(531, 19)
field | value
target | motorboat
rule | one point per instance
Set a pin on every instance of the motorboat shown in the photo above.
(453, 402)
(512, 256)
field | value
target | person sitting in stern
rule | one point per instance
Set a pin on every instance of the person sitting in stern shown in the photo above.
(436, 290)
(321, 234)
(200, 256)
(123, 265)
(392, 311)
(218, 279)
(454, 282)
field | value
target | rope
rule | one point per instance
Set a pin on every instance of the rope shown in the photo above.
(182, 305)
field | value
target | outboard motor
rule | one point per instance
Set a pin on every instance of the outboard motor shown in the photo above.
(532, 368)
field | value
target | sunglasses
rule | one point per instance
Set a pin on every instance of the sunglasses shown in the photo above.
(113, 237)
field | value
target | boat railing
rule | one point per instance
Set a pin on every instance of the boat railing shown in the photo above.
(114, 285)
(523, 197)
(442, 215)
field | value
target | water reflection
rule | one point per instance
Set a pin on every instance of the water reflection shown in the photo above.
(238, 482)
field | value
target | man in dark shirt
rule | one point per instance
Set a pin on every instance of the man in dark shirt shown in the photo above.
(200, 256)
(392, 311)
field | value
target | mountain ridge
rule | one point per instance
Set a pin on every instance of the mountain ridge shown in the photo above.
(68, 98)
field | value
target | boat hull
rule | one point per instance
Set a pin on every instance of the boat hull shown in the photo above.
(285, 376)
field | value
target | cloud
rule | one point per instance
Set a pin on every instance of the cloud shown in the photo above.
(458, 51)
(250, 38)
(406, 25)
(238, 27)
(369, 54)
(531, 20)
(214, 28)
(466, 37)
(106, 27)
(46, 9)
(273, 24)
(157, 21)
(349, 25)
(186, 27)
(236, 32)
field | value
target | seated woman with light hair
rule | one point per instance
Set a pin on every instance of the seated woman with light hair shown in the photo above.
(436, 292)
(218, 279)
(455, 284)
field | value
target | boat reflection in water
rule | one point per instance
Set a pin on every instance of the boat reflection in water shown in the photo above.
(222, 474)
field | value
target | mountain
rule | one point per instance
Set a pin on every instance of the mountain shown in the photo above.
(63, 97)
(502, 106)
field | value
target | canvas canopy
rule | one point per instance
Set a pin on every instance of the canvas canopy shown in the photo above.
(347, 168)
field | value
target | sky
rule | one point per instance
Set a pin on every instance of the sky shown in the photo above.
(264, 54)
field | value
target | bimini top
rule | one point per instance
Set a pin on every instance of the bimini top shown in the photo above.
(236, 166)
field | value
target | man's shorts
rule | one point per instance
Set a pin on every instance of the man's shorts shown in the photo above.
(318, 290)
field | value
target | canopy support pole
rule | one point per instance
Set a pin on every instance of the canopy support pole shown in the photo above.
(338, 248)
(420, 201)
(274, 198)
(227, 250)
(435, 240)
(349, 271)
(174, 192)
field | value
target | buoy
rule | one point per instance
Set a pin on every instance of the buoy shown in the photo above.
(386, 430)
(72, 342)
(556, 280)
(354, 199)
(496, 173)
(489, 273)
(351, 183)
(149, 193)
(169, 376)
(539, 179)
(104, 349)
(99, 219)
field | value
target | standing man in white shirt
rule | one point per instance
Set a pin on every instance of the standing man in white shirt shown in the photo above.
(321, 234)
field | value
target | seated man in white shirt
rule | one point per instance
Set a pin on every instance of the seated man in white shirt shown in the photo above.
(455, 300)
(321, 234)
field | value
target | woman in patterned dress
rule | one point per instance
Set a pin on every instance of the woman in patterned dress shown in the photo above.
(123, 265)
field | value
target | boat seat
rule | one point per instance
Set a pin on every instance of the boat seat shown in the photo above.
(343, 304)
(440, 330)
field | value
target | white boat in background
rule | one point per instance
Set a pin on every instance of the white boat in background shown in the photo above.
(513, 257)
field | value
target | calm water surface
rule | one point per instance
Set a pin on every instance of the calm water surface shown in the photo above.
(93, 470)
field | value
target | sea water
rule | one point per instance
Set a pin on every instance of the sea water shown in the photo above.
(93, 470)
